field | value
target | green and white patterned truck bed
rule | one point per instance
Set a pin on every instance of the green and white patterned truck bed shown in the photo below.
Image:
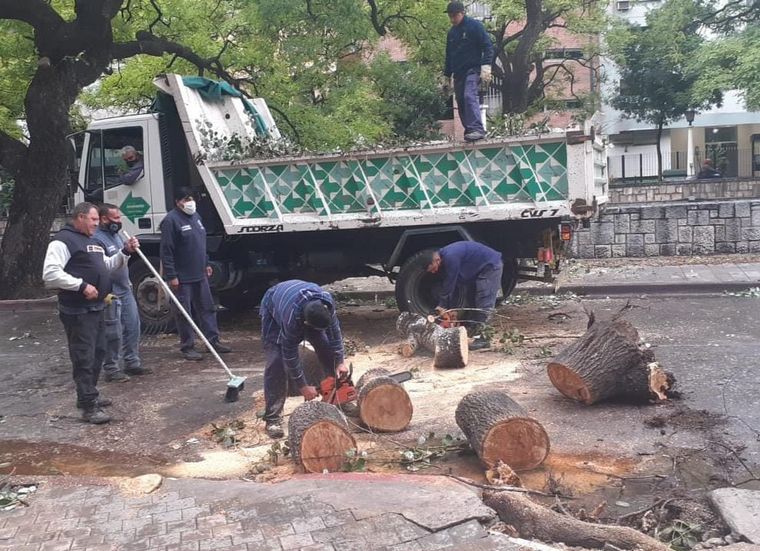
(438, 183)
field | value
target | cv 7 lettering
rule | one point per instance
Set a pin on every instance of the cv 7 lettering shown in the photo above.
(261, 229)
(538, 213)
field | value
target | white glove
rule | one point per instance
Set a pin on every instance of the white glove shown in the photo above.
(485, 74)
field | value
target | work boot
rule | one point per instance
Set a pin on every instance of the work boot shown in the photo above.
(138, 370)
(274, 430)
(480, 343)
(116, 377)
(192, 354)
(220, 348)
(102, 403)
(474, 136)
(95, 416)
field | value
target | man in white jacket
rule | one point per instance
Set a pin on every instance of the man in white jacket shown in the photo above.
(77, 266)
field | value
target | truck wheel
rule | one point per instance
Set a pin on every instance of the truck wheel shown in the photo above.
(417, 290)
(152, 303)
(508, 277)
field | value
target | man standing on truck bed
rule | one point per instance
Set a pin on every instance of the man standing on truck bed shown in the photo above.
(469, 54)
(293, 311)
(78, 267)
(478, 270)
(185, 264)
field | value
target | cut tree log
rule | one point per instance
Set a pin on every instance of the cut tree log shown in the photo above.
(449, 346)
(498, 428)
(532, 520)
(312, 368)
(384, 405)
(319, 437)
(607, 363)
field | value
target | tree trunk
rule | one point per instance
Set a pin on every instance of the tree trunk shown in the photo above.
(449, 346)
(533, 521)
(499, 429)
(384, 405)
(319, 437)
(607, 363)
(41, 180)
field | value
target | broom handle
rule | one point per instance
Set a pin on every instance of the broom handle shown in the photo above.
(176, 302)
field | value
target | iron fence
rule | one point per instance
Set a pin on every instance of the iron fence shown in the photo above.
(641, 167)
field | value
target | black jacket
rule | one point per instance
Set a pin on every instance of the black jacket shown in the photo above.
(183, 247)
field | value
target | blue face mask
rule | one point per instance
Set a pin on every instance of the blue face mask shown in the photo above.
(113, 227)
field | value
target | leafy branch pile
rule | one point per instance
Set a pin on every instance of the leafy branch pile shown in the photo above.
(13, 496)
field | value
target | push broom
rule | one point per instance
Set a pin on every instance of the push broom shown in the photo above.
(235, 384)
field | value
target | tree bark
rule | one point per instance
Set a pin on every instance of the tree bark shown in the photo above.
(660, 124)
(319, 437)
(607, 363)
(384, 405)
(499, 429)
(532, 520)
(449, 346)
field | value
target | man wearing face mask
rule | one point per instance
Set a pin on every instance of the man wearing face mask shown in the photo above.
(135, 165)
(121, 315)
(185, 264)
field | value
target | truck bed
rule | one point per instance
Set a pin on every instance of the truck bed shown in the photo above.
(499, 179)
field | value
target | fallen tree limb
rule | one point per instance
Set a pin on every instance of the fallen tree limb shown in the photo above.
(532, 520)
(449, 346)
(607, 363)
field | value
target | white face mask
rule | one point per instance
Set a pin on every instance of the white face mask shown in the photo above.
(188, 207)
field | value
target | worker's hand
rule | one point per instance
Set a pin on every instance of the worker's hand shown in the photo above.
(174, 284)
(485, 74)
(342, 370)
(132, 244)
(447, 85)
(209, 271)
(309, 393)
(90, 292)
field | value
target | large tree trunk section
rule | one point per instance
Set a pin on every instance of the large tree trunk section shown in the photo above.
(319, 437)
(499, 429)
(607, 363)
(449, 346)
(532, 520)
(312, 368)
(384, 405)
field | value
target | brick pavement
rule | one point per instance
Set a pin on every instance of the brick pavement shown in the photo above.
(198, 515)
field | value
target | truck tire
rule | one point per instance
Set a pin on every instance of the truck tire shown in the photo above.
(417, 290)
(154, 306)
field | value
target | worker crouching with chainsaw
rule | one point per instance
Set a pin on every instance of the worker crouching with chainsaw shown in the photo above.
(478, 270)
(291, 312)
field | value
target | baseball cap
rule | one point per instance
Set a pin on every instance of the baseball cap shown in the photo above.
(455, 7)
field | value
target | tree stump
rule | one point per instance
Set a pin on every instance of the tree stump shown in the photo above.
(607, 363)
(319, 437)
(449, 346)
(384, 405)
(499, 429)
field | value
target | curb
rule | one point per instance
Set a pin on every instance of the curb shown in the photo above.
(616, 289)
(29, 305)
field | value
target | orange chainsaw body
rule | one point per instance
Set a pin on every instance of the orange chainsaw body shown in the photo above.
(344, 392)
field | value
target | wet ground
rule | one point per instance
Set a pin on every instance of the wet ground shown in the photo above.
(623, 454)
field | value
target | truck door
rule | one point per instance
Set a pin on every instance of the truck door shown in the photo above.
(109, 178)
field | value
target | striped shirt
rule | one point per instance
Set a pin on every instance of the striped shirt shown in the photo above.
(282, 322)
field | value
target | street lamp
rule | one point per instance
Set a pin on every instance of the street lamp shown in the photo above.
(690, 114)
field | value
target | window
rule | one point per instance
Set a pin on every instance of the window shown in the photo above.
(104, 158)
(623, 5)
(564, 53)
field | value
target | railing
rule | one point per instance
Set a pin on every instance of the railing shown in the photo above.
(641, 168)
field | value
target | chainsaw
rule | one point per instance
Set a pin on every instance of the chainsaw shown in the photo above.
(345, 391)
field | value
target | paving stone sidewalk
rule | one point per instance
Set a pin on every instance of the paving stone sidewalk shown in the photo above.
(327, 512)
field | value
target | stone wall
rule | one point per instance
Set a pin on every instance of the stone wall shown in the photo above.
(684, 191)
(672, 229)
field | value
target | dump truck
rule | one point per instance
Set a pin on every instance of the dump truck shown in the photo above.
(335, 215)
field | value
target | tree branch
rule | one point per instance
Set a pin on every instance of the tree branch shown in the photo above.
(12, 153)
(374, 17)
(37, 13)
